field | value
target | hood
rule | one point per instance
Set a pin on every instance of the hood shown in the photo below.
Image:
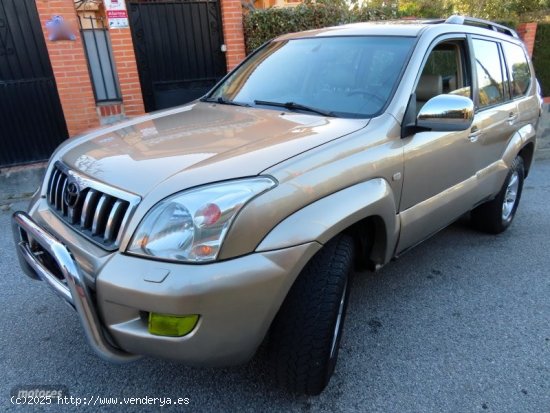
(208, 142)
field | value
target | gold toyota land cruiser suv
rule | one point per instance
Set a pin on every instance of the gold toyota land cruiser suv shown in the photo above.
(198, 232)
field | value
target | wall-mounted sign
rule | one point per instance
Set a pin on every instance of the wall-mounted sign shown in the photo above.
(58, 29)
(117, 15)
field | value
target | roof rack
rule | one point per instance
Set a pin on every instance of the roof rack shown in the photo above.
(472, 21)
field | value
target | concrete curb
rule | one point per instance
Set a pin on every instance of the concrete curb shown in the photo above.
(543, 135)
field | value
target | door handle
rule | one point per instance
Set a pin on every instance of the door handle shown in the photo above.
(512, 117)
(474, 135)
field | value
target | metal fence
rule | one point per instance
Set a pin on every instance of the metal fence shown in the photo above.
(31, 118)
(97, 45)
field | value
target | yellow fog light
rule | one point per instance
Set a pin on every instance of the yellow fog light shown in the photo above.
(172, 325)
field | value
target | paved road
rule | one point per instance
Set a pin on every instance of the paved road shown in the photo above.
(460, 324)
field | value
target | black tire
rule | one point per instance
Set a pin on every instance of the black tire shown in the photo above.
(491, 216)
(305, 336)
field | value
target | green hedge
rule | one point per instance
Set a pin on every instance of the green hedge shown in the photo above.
(510, 22)
(541, 57)
(265, 24)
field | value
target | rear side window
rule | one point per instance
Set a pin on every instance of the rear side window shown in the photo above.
(490, 79)
(518, 66)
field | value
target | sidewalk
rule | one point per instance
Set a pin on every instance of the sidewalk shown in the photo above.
(19, 183)
(543, 135)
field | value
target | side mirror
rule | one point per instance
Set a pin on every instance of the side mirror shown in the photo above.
(446, 113)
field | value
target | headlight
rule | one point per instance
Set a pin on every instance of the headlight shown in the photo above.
(190, 226)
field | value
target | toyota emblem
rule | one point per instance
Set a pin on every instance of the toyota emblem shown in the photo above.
(71, 195)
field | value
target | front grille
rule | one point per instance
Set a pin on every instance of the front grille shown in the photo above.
(96, 214)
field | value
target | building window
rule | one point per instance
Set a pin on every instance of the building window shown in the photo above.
(99, 53)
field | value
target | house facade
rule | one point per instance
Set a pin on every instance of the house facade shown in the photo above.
(67, 66)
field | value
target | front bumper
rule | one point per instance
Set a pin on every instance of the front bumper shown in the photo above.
(71, 286)
(236, 299)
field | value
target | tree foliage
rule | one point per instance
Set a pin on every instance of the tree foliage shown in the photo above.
(512, 10)
(541, 57)
(261, 25)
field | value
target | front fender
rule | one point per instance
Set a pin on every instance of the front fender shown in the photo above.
(327, 217)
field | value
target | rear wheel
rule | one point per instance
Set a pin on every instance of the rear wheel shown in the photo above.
(305, 335)
(496, 215)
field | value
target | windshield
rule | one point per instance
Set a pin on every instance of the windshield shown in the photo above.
(336, 76)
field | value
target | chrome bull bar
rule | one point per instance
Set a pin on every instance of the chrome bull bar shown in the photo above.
(74, 290)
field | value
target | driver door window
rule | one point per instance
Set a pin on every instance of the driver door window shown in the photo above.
(443, 73)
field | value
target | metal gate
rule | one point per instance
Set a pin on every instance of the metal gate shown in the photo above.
(31, 118)
(178, 48)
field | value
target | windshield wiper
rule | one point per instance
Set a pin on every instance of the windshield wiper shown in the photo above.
(223, 101)
(294, 105)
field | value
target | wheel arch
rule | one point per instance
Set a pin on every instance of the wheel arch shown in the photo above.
(527, 153)
(366, 210)
(522, 143)
(371, 242)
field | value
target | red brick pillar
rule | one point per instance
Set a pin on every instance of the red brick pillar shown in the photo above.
(126, 68)
(233, 32)
(527, 32)
(70, 68)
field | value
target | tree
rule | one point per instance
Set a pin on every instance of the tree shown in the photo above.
(487, 9)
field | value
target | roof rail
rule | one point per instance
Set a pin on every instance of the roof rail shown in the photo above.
(472, 21)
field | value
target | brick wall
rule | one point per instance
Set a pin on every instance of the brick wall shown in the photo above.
(527, 32)
(71, 73)
(126, 67)
(70, 68)
(233, 32)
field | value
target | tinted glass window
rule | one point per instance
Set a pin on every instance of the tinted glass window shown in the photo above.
(519, 68)
(349, 76)
(444, 72)
(443, 62)
(506, 79)
(490, 81)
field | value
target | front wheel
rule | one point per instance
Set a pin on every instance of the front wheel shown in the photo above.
(496, 215)
(305, 335)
